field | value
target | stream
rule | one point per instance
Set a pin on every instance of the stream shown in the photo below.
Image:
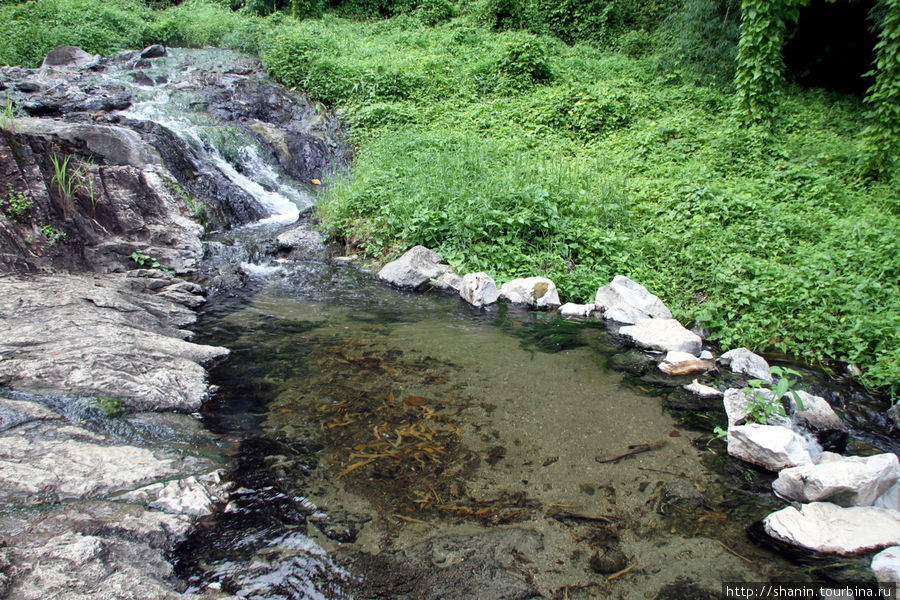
(394, 445)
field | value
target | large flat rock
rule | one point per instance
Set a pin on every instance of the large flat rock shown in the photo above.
(846, 481)
(667, 335)
(832, 529)
(770, 446)
(73, 462)
(105, 335)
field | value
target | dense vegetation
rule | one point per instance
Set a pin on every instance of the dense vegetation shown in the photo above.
(575, 140)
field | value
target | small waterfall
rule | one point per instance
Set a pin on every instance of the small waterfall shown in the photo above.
(177, 105)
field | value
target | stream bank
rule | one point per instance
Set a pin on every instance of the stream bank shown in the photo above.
(113, 174)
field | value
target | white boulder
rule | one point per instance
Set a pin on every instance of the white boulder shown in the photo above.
(570, 310)
(683, 363)
(829, 528)
(769, 446)
(536, 292)
(415, 269)
(886, 565)
(847, 481)
(738, 403)
(704, 391)
(663, 334)
(478, 289)
(628, 302)
(743, 361)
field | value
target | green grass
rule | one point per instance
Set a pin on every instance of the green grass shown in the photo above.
(517, 154)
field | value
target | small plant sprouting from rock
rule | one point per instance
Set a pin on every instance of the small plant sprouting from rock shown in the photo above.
(17, 205)
(68, 181)
(52, 234)
(111, 406)
(147, 262)
(8, 115)
(765, 401)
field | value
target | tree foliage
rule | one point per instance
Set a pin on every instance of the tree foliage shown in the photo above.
(760, 64)
(882, 135)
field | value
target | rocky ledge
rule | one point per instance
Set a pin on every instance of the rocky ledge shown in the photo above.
(102, 465)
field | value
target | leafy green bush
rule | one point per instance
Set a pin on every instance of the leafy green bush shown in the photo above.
(304, 9)
(18, 205)
(582, 109)
(434, 12)
(597, 21)
(361, 9)
(524, 61)
(500, 14)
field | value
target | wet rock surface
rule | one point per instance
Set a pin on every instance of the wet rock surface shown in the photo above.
(113, 336)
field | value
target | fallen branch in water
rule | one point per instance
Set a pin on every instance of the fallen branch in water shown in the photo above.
(565, 515)
(632, 450)
(620, 573)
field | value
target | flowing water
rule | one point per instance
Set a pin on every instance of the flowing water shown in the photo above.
(391, 445)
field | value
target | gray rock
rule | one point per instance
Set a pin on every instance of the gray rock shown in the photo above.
(832, 529)
(116, 145)
(894, 414)
(737, 406)
(478, 289)
(451, 281)
(886, 565)
(626, 301)
(17, 412)
(536, 292)
(99, 336)
(816, 413)
(576, 311)
(415, 270)
(154, 51)
(682, 363)
(195, 496)
(303, 242)
(73, 462)
(743, 361)
(609, 559)
(77, 566)
(769, 446)
(848, 481)
(68, 56)
(663, 334)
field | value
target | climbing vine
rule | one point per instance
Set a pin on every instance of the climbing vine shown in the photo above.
(882, 135)
(760, 64)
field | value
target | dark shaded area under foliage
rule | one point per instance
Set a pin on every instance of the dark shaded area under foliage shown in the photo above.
(831, 46)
